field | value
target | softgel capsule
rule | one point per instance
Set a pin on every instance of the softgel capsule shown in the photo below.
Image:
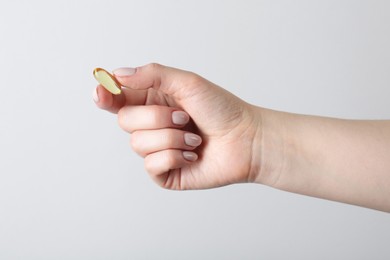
(107, 80)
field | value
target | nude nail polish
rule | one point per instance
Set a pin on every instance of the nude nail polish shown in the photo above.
(180, 117)
(190, 156)
(123, 72)
(192, 139)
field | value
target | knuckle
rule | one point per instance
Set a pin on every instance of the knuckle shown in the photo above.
(121, 118)
(153, 66)
(170, 137)
(194, 79)
(148, 165)
(156, 114)
(163, 161)
(135, 141)
(171, 159)
(123, 121)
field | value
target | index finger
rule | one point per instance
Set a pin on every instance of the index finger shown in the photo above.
(170, 81)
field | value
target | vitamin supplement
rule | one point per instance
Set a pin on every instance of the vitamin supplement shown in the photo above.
(107, 80)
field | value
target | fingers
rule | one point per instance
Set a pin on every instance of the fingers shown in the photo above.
(161, 164)
(150, 115)
(157, 136)
(169, 80)
(132, 118)
(107, 101)
(166, 81)
(112, 103)
(146, 142)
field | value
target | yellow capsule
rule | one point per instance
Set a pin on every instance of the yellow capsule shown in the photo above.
(107, 80)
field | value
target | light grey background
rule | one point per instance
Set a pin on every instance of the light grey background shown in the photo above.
(71, 188)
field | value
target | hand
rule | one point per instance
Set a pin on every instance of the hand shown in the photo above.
(196, 135)
(192, 133)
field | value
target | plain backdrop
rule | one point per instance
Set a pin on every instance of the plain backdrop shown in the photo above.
(70, 186)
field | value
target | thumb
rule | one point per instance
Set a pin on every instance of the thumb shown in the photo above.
(169, 80)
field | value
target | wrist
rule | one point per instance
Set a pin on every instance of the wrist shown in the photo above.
(269, 148)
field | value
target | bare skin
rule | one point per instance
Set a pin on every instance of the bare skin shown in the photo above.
(194, 134)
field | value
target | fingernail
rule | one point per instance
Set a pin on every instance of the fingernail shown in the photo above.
(95, 95)
(123, 72)
(180, 117)
(190, 156)
(192, 139)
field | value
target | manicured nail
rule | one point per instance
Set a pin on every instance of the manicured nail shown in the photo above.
(180, 117)
(95, 95)
(192, 139)
(190, 156)
(123, 72)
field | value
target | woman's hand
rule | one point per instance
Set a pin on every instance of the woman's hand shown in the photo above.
(192, 133)
(195, 135)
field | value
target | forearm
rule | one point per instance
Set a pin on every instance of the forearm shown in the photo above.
(341, 160)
